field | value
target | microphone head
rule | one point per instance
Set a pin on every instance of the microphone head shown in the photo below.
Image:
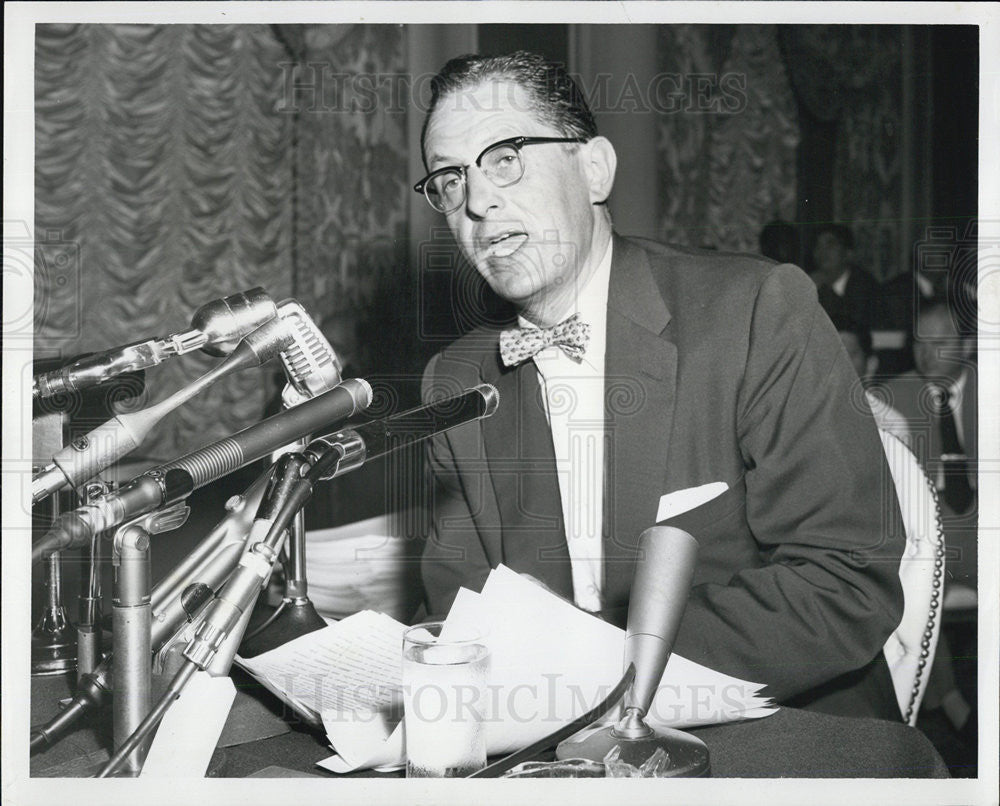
(310, 362)
(360, 391)
(227, 320)
(491, 399)
(268, 340)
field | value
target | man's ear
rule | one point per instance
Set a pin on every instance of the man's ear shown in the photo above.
(601, 163)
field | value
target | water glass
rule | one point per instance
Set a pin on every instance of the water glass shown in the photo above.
(445, 672)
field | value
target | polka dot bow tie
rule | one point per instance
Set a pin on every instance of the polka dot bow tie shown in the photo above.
(518, 344)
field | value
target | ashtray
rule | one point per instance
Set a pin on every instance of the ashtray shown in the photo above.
(570, 768)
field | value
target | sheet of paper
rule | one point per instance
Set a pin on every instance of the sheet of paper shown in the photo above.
(680, 501)
(186, 738)
(545, 671)
(362, 743)
(353, 665)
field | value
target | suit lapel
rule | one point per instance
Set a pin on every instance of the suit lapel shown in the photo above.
(522, 468)
(639, 400)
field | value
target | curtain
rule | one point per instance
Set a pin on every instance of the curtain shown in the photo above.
(852, 75)
(353, 184)
(727, 154)
(163, 167)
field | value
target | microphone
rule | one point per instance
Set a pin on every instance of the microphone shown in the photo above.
(175, 598)
(174, 481)
(657, 600)
(216, 328)
(379, 437)
(87, 456)
(311, 365)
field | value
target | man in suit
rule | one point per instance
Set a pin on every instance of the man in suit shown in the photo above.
(638, 374)
(857, 341)
(839, 280)
(939, 401)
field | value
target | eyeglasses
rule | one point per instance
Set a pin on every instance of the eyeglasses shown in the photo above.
(501, 163)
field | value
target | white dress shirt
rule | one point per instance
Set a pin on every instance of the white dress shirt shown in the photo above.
(839, 286)
(574, 399)
(956, 394)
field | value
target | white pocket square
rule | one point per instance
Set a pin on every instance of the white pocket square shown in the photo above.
(679, 501)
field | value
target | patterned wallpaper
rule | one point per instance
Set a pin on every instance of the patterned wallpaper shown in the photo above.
(727, 161)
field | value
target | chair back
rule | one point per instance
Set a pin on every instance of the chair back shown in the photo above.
(910, 649)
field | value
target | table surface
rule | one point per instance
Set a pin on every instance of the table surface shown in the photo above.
(790, 743)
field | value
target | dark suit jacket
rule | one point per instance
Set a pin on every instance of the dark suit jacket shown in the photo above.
(718, 368)
(862, 300)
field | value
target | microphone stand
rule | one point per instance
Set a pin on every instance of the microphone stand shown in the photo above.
(217, 636)
(174, 601)
(89, 629)
(131, 619)
(311, 367)
(53, 650)
(296, 614)
(659, 593)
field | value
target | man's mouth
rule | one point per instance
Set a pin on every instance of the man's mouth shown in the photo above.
(504, 244)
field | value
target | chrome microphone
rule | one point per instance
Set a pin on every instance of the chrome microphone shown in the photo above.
(87, 456)
(379, 437)
(174, 481)
(216, 328)
(310, 362)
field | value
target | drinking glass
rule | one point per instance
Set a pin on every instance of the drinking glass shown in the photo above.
(445, 670)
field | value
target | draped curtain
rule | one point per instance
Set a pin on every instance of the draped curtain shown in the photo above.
(159, 155)
(174, 166)
(727, 162)
(852, 75)
(352, 193)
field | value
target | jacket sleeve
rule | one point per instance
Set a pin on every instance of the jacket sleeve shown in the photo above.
(453, 555)
(819, 496)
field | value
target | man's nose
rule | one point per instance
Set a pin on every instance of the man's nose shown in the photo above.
(481, 195)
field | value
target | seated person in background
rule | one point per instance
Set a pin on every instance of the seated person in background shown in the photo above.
(939, 401)
(636, 371)
(858, 343)
(837, 277)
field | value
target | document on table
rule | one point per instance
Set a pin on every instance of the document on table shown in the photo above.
(350, 667)
(544, 672)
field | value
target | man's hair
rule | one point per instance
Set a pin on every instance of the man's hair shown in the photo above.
(838, 231)
(554, 97)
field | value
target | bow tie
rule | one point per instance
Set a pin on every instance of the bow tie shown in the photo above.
(518, 344)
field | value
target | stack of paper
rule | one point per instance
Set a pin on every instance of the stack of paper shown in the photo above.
(550, 663)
